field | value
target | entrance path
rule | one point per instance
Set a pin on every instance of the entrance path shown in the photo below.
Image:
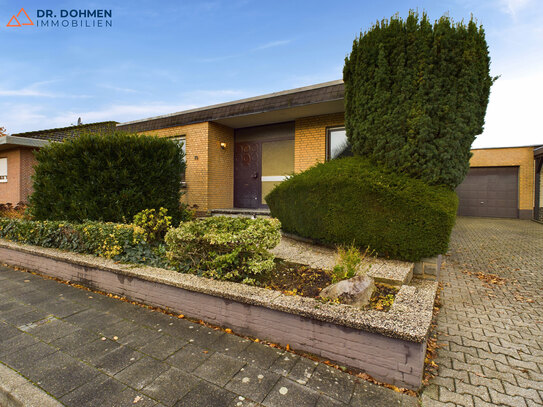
(491, 330)
(86, 349)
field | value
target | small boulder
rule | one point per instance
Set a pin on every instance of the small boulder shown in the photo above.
(355, 291)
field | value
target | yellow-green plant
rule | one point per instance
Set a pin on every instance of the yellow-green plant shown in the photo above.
(348, 260)
(225, 248)
(155, 225)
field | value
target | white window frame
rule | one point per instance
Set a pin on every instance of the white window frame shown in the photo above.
(3, 169)
(329, 130)
(177, 139)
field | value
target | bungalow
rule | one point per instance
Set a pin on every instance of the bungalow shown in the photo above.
(236, 152)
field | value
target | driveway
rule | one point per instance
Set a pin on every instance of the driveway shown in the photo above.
(490, 327)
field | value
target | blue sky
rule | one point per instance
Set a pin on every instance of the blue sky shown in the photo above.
(162, 57)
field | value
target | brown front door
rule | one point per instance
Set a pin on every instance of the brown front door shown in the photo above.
(247, 173)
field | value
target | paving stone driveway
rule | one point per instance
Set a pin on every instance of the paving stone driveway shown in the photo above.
(492, 335)
(86, 349)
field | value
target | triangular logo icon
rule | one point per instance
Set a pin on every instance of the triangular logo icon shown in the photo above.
(11, 24)
(26, 15)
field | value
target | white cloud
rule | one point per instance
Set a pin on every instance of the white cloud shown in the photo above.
(273, 44)
(513, 7)
(514, 112)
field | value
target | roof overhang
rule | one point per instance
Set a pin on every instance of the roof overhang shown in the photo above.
(323, 98)
(9, 142)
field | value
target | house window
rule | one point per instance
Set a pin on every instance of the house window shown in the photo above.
(3, 170)
(182, 141)
(337, 145)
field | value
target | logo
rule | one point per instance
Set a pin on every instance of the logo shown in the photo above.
(19, 21)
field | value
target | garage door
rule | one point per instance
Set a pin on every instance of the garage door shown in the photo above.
(489, 191)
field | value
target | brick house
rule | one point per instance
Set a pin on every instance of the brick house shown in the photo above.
(237, 151)
(17, 157)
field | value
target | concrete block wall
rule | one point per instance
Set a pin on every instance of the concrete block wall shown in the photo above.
(387, 359)
(523, 157)
(310, 139)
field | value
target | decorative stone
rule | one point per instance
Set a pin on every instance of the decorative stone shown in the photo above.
(355, 291)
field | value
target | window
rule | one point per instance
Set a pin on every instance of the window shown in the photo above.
(182, 140)
(3, 170)
(337, 145)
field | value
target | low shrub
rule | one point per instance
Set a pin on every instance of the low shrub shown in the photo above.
(155, 225)
(351, 201)
(224, 248)
(110, 240)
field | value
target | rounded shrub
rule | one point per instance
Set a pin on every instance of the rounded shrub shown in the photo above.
(107, 177)
(351, 201)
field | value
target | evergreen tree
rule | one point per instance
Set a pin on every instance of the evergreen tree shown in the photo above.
(416, 95)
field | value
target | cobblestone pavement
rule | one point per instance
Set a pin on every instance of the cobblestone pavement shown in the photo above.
(491, 334)
(87, 349)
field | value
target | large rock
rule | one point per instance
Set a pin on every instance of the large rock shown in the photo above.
(355, 291)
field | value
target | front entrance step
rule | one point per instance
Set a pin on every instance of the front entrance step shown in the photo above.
(241, 212)
(393, 272)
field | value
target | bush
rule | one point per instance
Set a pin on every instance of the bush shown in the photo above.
(155, 225)
(351, 201)
(416, 96)
(348, 260)
(224, 248)
(108, 177)
(112, 241)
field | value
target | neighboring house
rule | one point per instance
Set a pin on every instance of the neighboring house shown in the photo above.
(237, 152)
(17, 157)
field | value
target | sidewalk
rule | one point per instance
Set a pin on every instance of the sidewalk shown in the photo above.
(86, 349)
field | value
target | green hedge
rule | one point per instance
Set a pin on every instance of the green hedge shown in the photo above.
(110, 240)
(107, 177)
(416, 95)
(351, 201)
(224, 248)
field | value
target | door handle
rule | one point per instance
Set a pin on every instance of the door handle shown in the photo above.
(255, 175)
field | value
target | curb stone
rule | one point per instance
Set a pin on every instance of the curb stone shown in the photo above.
(16, 391)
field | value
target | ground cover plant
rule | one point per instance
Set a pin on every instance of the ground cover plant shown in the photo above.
(107, 177)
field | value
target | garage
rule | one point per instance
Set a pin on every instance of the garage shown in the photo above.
(489, 192)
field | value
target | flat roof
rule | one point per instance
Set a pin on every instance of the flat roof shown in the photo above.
(493, 148)
(7, 142)
(320, 94)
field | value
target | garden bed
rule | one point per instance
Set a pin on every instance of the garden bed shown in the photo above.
(390, 346)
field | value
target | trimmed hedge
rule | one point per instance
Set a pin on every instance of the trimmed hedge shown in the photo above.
(110, 240)
(416, 95)
(224, 248)
(107, 177)
(351, 201)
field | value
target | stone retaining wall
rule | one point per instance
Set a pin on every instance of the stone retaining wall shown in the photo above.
(260, 313)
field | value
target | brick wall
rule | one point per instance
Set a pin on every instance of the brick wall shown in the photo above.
(210, 170)
(10, 191)
(221, 167)
(310, 139)
(523, 157)
(27, 162)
